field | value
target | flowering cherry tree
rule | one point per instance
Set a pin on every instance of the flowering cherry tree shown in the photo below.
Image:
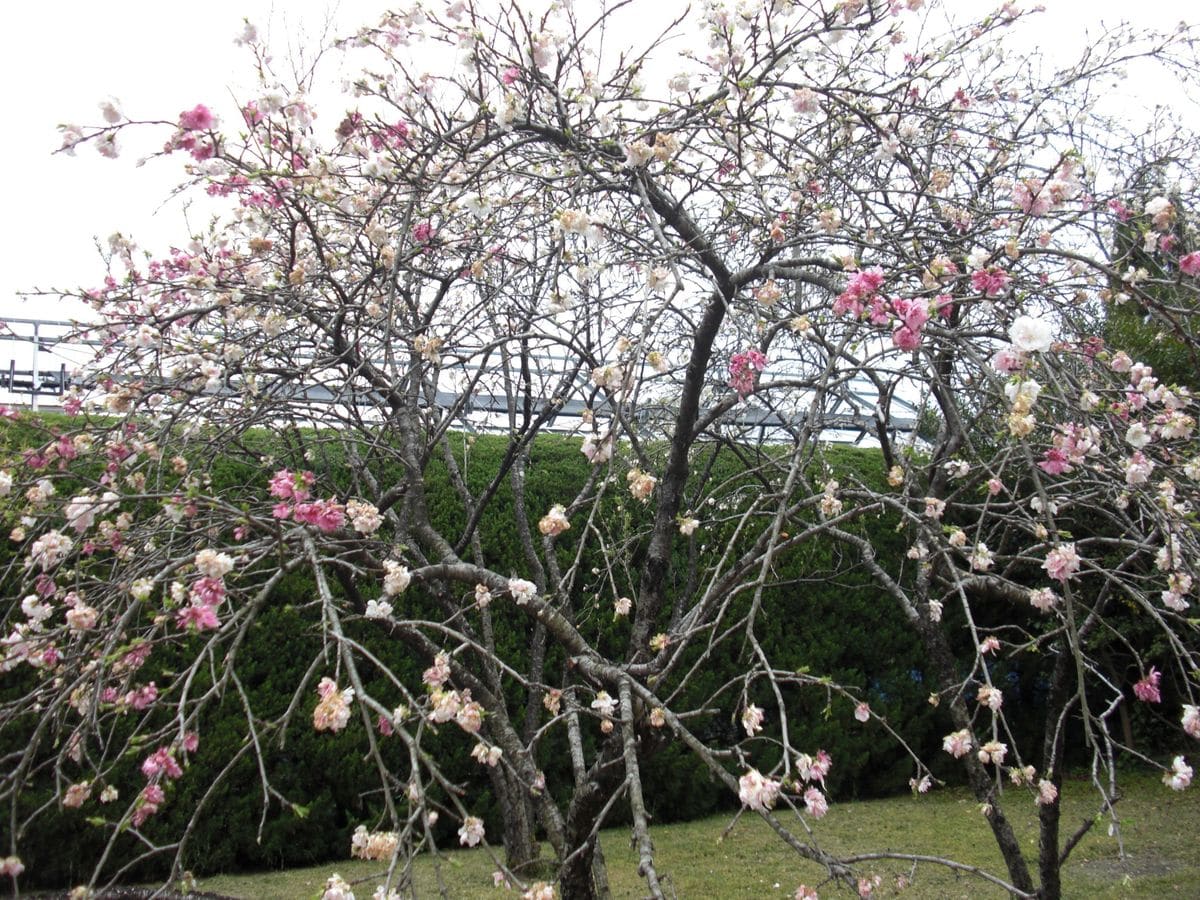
(710, 241)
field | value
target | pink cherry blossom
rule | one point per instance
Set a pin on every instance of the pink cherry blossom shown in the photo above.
(744, 369)
(1191, 720)
(992, 282)
(1062, 562)
(325, 515)
(522, 591)
(1190, 264)
(757, 791)
(958, 744)
(816, 803)
(151, 798)
(333, 711)
(1047, 793)
(198, 118)
(1147, 689)
(1179, 776)
(471, 832)
(161, 762)
(858, 293)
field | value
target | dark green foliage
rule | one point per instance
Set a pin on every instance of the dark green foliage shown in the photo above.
(818, 615)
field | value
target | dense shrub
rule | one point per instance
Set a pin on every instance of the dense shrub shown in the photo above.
(323, 785)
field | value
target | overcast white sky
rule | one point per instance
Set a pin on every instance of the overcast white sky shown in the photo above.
(59, 58)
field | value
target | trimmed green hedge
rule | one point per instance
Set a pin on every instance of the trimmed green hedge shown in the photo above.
(841, 627)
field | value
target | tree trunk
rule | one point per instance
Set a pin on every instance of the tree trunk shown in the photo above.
(521, 850)
(982, 784)
(1050, 814)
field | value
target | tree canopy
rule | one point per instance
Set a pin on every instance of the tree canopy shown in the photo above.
(760, 228)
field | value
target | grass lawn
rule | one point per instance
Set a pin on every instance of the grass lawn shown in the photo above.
(1159, 828)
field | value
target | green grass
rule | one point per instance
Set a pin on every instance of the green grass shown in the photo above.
(1158, 827)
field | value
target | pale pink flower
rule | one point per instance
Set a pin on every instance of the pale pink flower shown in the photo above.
(376, 845)
(212, 564)
(1161, 212)
(990, 644)
(597, 450)
(641, 484)
(469, 716)
(396, 578)
(993, 752)
(604, 704)
(1190, 264)
(816, 803)
(622, 606)
(336, 888)
(1030, 335)
(1120, 362)
(1008, 360)
(1047, 793)
(485, 755)
(12, 866)
(333, 710)
(1180, 775)
(446, 705)
(1062, 562)
(990, 697)
(752, 719)
(363, 516)
(439, 673)
(378, 609)
(552, 700)
(688, 525)
(554, 522)
(958, 744)
(522, 591)
(1191, 720)
(981, 558)
(1147, 690)
(77, 794)
(1137, 436)
(471, 832)
(50, 549)
(82, 618)
(862, 712)
(757, 791)
(866, 886)
(804, 892)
